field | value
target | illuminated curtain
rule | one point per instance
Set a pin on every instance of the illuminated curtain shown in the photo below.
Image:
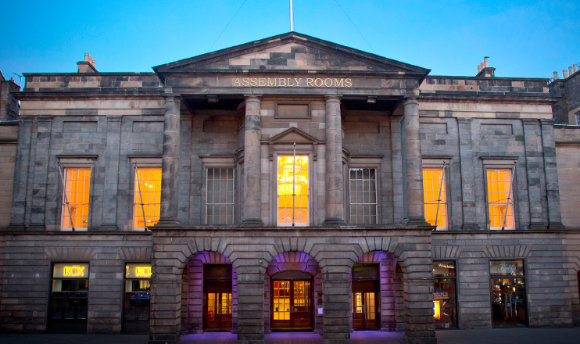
(293, 190)
(147, 197)
(435, 197)
(500, 198)
(75, 207)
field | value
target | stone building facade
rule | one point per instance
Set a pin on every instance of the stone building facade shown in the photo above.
(296, 184)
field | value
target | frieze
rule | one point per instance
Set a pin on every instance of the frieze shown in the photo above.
(292, 82)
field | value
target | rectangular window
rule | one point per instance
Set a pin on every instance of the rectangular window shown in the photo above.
(500, 198)
(219, 204)
(293, 190)
(435, 196)
(75, 199)
(508, 293)
(147, 197)
(363, 196)
(444, 299)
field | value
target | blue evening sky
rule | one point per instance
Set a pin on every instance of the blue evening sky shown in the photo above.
(529, 38)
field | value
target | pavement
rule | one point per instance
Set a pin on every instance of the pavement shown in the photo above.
(487, 336)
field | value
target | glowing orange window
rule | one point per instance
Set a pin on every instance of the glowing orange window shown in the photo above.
(75, 207)
(293, 190)
(147, 197)
(435, 197)
(500, 198)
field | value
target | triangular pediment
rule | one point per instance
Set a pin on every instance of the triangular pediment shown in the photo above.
(293, 135)
(291, 52)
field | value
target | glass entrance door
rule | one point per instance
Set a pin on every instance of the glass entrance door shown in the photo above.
(218, 312)
(365, 305)
(291, 305)
(69, 298)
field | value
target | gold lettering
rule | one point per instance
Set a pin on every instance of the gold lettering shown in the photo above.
(282, 82)
(245, 82)
(326, 82)
(298, 80)
(253, 82)
(73, 271)
(318, 82)
(143, 271)
(237, 82)
(309, 82)
(272, 82)
(262, 82)
(348, 82)
(338, 82)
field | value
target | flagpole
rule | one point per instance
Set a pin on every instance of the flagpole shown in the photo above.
(291, 18)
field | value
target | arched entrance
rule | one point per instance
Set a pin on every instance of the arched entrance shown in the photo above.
(376, 292)
(209, 298)
(293, 292)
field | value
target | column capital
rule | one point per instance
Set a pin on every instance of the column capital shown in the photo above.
(332, 97)
(253, 97)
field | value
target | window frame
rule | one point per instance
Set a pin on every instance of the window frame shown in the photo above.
(64, 163)
(442, 163)
(370, 162)
(142, 162)
(219, 162)
(498, 276)
(501, 164)
(275, 184)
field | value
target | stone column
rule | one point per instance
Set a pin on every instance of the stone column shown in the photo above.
(413, 163)
(251, 215)
(170, 161)
(334, 177)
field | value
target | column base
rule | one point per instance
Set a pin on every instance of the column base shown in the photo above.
(418, 222)
(556, 225)
(333, 222)
(166, 223)
(538, 226)
(252, 223)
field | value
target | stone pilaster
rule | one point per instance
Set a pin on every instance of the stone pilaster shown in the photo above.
(250, 287)
(419, 326)
(413, 163)
(337, 307)
(251, 215)
(551, 175)
(165, 313)
(334, 177)
(170, 161)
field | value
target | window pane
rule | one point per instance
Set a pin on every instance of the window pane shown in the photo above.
(500, 199)
(363, 196)
(293, 190)
(75, 206)
(147, 197)
(434, 197)
(220, 196)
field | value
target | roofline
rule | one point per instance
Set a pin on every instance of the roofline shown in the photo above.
(484, 78)
(88, 74)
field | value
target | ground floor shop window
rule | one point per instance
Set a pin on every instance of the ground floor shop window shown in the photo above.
(444, 296)
(137, 296)
(508, 293)
(69, 294)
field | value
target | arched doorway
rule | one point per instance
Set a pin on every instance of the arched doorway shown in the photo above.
(209, 298)
(376, 292)
(293, 293)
